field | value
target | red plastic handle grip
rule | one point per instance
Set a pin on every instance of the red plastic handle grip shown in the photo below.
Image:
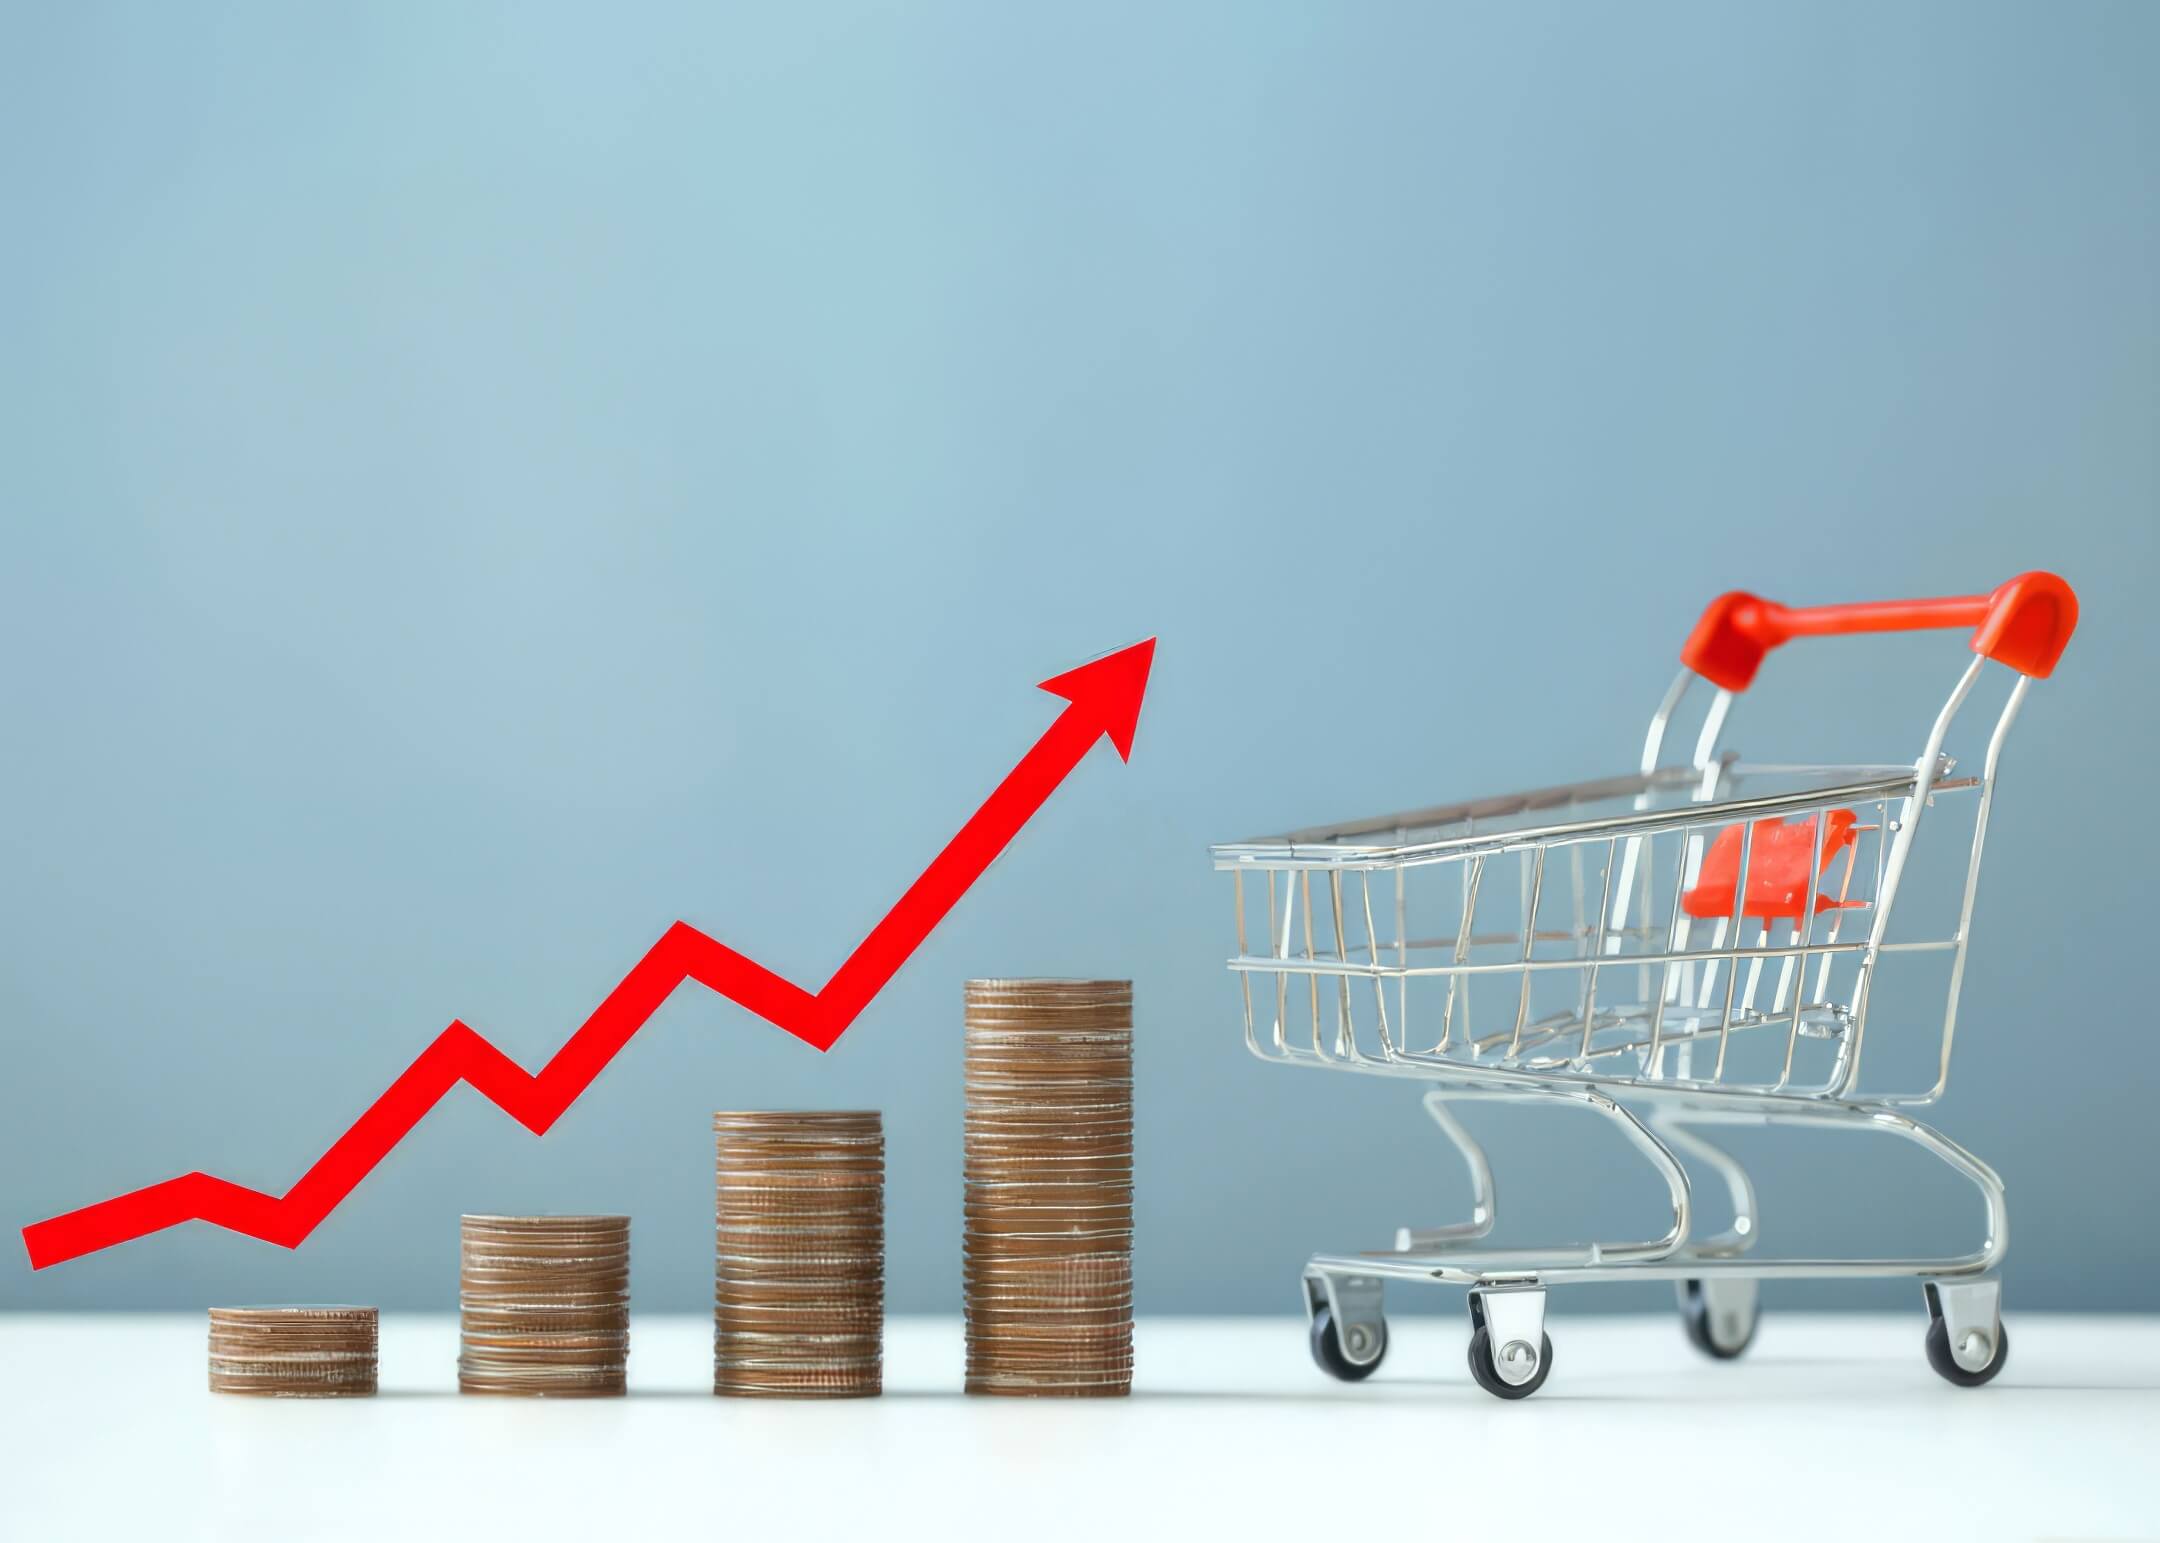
(2025, 624)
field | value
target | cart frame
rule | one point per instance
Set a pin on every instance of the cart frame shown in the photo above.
(1646, 1051)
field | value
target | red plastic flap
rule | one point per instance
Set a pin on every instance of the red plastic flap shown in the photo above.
(1777, 880)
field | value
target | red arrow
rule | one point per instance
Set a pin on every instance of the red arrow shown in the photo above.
(1105, 699)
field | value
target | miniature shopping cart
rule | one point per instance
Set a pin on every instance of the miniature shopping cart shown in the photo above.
(1696, 945)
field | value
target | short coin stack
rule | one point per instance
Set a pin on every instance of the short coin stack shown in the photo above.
(545, 1305)
(1048, 1268)
(799, 1254)
(293, 1352)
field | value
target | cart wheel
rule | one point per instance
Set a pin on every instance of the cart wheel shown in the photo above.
(1722, 1330)
(1488, 1376)
(1328, 1353)
(1940, 1356)
(1966, 1341)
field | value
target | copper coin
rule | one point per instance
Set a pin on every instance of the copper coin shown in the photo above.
(799, 1253)
(293, 1352)
(544, 1305)
(1047, 1166)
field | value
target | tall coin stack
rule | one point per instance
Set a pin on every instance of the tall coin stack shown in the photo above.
(293, 1352)
(799, 1254)
(545, 1305)
(1048, 1269)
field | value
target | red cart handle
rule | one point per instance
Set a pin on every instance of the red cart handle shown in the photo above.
(2025, 624)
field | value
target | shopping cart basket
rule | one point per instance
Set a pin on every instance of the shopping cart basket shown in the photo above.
(1699, 942)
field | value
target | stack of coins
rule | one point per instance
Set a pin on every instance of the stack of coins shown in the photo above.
(799, 1254)
(293, 1352)
(1048, 1268)
(545, 1305)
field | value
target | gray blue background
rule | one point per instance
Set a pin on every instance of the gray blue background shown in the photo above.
(482, 482)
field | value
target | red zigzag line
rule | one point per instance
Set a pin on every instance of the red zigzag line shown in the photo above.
(1105, 699)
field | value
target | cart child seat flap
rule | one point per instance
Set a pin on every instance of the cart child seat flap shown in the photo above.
(1777, 864)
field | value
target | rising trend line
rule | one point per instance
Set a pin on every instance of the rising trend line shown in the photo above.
(1103, 699)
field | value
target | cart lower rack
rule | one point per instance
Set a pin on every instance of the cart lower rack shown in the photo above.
(1692, 947)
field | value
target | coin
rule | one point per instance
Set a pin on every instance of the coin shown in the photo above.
(1047, 1141)
(799, 1253)
(293, 1352)
(544, 1305)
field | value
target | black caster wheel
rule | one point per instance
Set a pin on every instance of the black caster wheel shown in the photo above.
(1328, 1353)
(1945, 1364)
(1481, 1366)
(1721, 1336)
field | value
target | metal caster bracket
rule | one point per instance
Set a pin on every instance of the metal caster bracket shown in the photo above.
(1722, 1311)
(1513, 1318)
(1971, 1313)
(1355, 1304)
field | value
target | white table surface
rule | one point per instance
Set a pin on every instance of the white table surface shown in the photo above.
(1832, 1426)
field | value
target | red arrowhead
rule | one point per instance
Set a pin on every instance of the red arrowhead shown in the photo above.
(1107, 692)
